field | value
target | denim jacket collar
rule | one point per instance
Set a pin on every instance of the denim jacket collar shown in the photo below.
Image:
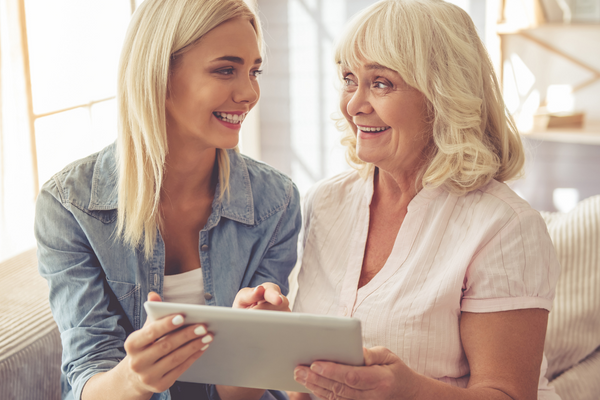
(238, 207)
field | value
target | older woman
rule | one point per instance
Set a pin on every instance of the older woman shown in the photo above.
(450, 272)
(168, 211)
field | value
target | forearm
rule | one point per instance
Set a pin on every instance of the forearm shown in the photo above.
(113, 384)
(433, 389)
(239, 393)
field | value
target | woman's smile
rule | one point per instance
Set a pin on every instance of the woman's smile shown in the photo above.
(231, 119)
(371, 132)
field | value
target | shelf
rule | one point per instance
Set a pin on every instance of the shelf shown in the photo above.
(510, 29)
(590, 134)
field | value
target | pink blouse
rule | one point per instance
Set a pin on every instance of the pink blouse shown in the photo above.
(484, 251)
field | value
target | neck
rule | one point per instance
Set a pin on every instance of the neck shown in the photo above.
(395, 190)
(190, 172)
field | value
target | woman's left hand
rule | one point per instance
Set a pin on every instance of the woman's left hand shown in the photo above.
(384, 376)
(263, 297)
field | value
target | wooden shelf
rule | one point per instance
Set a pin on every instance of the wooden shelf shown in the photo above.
(510, 29)
(590, 134)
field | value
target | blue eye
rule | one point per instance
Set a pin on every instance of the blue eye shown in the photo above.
(349, 82)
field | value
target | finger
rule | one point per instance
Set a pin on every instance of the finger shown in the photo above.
(362, 378)
(167, 379)
(180, 356)
(284, 305)
(273, 294)
(247, 297)
(320, 384)
(151, 332)
(325, 394)
(172, 343)
(152, 296)
(166, 353)
(378, 355)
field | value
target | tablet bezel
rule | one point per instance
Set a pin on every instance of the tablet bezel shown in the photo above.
(260, 349)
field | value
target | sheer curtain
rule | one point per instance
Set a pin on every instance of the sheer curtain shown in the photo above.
(17, 179)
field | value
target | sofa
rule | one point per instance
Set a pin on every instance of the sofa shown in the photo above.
(30, 349)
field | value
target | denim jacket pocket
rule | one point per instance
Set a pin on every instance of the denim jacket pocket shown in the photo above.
(128, 295)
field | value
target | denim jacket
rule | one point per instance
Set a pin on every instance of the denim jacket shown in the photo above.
(98, 284)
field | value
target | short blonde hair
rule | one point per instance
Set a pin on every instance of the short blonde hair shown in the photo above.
(158, 33)
(434, 46)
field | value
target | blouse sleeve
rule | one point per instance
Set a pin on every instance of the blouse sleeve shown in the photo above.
(516, 269)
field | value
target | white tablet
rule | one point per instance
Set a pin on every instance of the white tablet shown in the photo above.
(260, 349)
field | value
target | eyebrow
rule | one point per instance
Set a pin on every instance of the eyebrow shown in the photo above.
(237, 60)
(377, 66)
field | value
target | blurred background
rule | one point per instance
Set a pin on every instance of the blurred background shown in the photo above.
(58, 65)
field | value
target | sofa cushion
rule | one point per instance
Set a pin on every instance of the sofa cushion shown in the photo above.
(574, 324)
(30, 348)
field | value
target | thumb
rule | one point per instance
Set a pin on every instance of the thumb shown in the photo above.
(153, 296)
(247, 297)
(377, 356)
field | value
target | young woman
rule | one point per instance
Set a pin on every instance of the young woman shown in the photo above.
(170, 211)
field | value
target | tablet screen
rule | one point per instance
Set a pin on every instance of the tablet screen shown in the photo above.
(260, 349)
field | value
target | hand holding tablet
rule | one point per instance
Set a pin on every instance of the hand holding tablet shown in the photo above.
(260, 349)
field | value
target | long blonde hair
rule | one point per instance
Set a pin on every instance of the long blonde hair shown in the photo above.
(434, 46)
(158, 33)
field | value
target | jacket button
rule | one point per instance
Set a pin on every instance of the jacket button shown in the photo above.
(207, 296)
(204, 247)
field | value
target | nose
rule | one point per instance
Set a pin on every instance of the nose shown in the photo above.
(246, 91)
(359, 102)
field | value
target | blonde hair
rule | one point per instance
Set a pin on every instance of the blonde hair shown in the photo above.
(434, 46)
(158, 33)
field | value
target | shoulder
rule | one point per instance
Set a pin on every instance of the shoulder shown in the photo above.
(83, 182)
(73, 182)
(497, 198)
(503, 212)
(337, 189)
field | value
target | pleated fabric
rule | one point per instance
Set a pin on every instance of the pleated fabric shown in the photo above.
(30, 348)
(485, 251)
(573, 337)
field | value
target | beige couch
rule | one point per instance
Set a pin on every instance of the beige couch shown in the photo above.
(30, 343)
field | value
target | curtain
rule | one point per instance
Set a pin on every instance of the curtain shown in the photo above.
(17, 178)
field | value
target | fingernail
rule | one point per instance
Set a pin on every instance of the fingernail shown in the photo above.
(205, 347)
(316, 368)
(256, 288)
(201, 330)
(207, 339)
(282, 297)
(300, 376)
(177, 320)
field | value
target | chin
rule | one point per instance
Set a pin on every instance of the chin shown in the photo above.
(368, 156)
(228, 144)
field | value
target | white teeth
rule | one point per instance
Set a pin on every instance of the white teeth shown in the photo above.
(377, 129)
(231, 118)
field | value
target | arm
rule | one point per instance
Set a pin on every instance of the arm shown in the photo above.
(504, 350)
(157, 355)
(99, 358)
(282, 252)
(269, 284)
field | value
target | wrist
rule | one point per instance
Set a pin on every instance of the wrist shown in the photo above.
(129, 381)
(419, 386)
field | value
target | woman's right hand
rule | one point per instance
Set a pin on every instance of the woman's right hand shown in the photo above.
(157, 354)
(162, 350)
